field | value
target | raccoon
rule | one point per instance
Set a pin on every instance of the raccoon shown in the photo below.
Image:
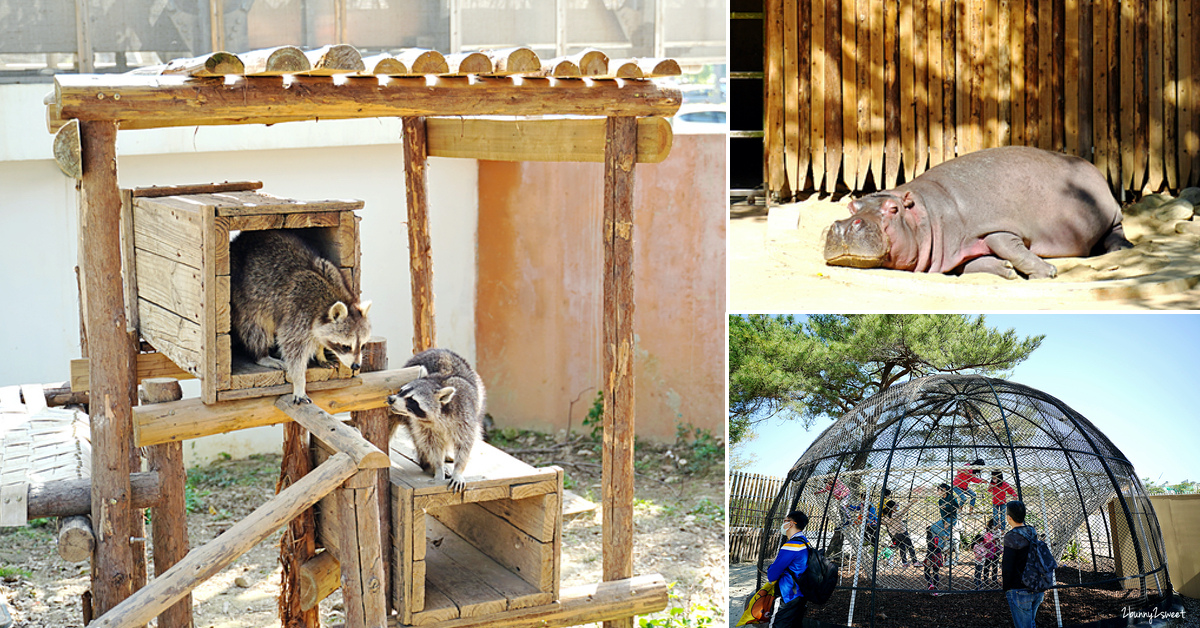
(443, 412)
(282, 293)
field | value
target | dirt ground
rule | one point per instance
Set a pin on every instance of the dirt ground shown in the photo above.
(776, 264)
(679, 519)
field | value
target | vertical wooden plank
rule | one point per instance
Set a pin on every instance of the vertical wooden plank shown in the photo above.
(865, 69)
(1016, 38)
(1116, 96)
(833, 94)
(791, 98)
(949, 92)
(849, 116)
(213, 238)
(1071, 80)
(1057, 63)
(112, 380)
(348, 558)
(1100, 85)
(891, 105)
(1187, 136)
(370, 554)
(962, 82)
(419, 249)
(299, 540)
(1128, 102)
(1170, 94)
(878, 92)
(803, 47)
(170, 515)
(908, 108)
(991, 76)
(1084, 114)
(374, 425)
(933, 33)
(921, 80)
(1046, 74)
(818, 90)
(617, 460)
(1193, 141)
(1004, 73)
(773, 82)
(1155, 88)
(1141, 135)
(980, 56)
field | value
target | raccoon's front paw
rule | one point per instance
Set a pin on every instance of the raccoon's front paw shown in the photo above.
(457, 483)
(301, 399)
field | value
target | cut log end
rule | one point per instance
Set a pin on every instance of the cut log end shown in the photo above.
(76, 541)
(336, 58)
(561, 68)
(469, 63)
(515, 61)
(67, 149)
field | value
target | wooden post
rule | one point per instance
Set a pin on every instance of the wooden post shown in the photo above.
(299, 541)
(112, 380)
(170, 516)
(420, 258)
(374, 425)
(617, 463)
(361, 559)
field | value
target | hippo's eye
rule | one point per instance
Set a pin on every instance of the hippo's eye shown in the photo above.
(414, 407)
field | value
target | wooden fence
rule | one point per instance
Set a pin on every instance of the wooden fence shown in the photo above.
(863, 93)
(750, 497)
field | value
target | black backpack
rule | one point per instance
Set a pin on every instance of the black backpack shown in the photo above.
(1040, 566)
(820, 577)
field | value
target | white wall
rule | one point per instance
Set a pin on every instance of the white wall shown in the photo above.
(361, 159)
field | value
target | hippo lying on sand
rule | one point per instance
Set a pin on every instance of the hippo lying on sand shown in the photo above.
(998, 210)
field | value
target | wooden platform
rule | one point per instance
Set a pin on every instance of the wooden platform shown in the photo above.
(493, 548)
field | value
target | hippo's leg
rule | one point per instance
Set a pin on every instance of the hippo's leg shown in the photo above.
(1115, 240)
(990, 264)
(1009, 247)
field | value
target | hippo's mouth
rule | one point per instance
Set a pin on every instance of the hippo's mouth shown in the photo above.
(856, 245)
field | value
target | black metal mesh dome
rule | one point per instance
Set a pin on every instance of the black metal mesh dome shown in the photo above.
(1081, 493)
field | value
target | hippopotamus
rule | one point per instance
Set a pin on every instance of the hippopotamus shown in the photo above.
(998, 210)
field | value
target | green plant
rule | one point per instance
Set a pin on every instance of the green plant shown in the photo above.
(709, 509)
(595, 417)
(14, 572)
(40, 522)
(706, 449)
(693, 616)
(1072, 551)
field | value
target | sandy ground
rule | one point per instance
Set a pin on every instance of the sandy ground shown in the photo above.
(775, 264)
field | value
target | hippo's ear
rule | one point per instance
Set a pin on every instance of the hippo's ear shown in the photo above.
(889, 206)
(908, 200)
(853, 207)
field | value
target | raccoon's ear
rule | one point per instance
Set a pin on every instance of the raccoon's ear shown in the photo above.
(446, 394)
(363, 307)
(338, 311)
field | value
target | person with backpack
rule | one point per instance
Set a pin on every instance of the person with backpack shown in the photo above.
(1026, 567)
(787, 569)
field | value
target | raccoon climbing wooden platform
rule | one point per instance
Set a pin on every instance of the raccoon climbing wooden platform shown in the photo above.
(182, 282)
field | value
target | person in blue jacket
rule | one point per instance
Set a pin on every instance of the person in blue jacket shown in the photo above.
(786, 570)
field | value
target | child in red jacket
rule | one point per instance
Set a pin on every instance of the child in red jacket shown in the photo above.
(962, 484)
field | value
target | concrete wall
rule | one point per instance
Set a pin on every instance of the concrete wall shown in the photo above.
(1179, 516)
(539, 291)
(39, 325)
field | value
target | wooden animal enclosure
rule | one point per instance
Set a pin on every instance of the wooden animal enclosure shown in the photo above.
(864, 95)
(181, 253)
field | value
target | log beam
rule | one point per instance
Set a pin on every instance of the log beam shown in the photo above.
(617, 448)
(192, 418)
(204, 562)
(540, 140)
(170, 516)
(319, 577)
(331, 431)
(420, 258)
(606, 601)
(161, 101)
(67, 498)
(113, 386)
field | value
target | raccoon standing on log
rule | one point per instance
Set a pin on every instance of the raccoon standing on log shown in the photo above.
(283, 293)
(443, 412)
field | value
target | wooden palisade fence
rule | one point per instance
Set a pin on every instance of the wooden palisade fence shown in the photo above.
(868, 94)
(750, 497)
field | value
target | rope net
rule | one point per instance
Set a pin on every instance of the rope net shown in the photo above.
(905, 492)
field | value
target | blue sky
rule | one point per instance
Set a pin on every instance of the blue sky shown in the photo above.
(1135, 376)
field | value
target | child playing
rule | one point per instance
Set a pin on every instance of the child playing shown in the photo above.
(934, 559)
(962, 484)
(840, 493)
(987, 554)
(894, 521)
(1002, 492)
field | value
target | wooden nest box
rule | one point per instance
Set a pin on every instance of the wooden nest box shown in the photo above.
(181, 256)
(494, 547)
